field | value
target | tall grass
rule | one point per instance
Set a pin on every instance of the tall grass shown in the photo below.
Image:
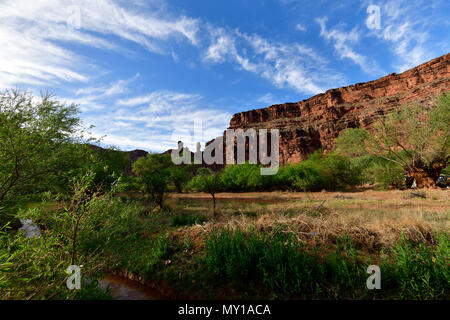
(286, 267)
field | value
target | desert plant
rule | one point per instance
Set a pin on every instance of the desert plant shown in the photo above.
(413, 137)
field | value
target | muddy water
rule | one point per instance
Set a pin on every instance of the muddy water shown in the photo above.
(125, 289)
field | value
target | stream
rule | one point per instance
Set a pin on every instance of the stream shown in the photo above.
(125, 289)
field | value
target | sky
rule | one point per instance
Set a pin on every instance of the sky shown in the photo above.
(147, 73)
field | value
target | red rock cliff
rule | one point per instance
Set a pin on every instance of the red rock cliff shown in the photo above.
(314, 123)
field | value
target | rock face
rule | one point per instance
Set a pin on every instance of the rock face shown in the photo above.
(315, 123)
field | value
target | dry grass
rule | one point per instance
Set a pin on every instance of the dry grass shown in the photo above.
(374, 220)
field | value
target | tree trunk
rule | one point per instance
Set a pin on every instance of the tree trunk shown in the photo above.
(424, 178)
(214, 204)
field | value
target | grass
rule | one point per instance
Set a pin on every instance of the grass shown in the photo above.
(286, 267)
(307, 246)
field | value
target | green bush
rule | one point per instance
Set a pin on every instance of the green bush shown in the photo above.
(299, 177)
(186, 219)
(420, 272)
(242, 178)
(337, 171)
(385, 174)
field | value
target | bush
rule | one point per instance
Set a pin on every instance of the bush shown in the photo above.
(187, 219)
(330, 172)
(242, 178)
(420, 272)
(387, 175)
(299, 177)
(337, 171)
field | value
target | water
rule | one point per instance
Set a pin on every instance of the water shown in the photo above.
(125, 289)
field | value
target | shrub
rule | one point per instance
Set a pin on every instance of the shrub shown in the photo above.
(336, 171)
(387, 175)
(207, 181)
(187, 219)
(242, 178)
(299, 177)
(420, 272)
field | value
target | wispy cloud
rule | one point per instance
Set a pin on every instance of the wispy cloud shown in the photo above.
(406, 29)
(157, 120)
(343, 42)
(33, 37)
(300, 27)
(286, 65)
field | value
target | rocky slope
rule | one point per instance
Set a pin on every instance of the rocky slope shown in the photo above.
(314, 123)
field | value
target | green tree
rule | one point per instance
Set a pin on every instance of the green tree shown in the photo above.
(180, 176)
(208, 181)
(414, 137)
(35, 139)
(153, 172)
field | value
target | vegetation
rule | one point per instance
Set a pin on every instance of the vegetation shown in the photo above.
(287, 267)
(35, 141)
(153, 174)
(207, 181)
(314, 246)
(415, 138)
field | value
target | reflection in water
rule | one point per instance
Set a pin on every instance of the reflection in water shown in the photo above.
(125, 289)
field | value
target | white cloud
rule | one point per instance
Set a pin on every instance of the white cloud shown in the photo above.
(222, 45)
(268, 99)
(157, 120)
(96, 98)
(343, 42)
(289, 65)
(33, 37)
(300, 27)
(404, 27)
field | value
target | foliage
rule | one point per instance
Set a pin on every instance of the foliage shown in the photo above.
(281, 264)
(153, 172)
(413, 137)
(186, 219)
(319, 171)
(35, 268)
(180, 176)
(299, 177)
(36, 139)
(286, 267)
(242, 178)
(420, 272)
(208, 181)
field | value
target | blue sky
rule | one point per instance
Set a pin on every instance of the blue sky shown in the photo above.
(144, 72)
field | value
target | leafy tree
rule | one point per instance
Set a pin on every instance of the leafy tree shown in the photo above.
(153, 172)
(414, 137)
(208, 181)
(242, 177)
(107, 164)
(180, 175)
(35, 140)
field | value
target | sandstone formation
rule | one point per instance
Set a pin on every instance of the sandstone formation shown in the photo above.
(315, 123)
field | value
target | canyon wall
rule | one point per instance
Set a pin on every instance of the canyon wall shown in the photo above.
(315, 123)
